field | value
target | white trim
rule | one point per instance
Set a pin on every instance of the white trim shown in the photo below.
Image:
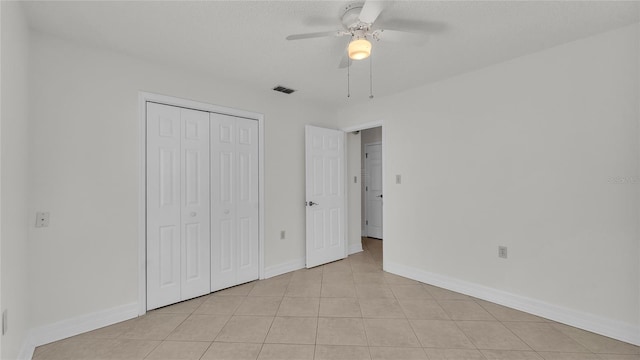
(261, 196)
(74, 326)
(364, 126)
(345, 186)
(384, 190)
(284, 268)
(355, 248)
(143, 97)
(142, 203)
(626, 332)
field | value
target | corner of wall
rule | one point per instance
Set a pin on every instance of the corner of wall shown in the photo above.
(14, 179)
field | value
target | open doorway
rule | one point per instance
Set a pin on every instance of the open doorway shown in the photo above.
(371, 190)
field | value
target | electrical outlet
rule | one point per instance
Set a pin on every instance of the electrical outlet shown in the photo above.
(502, 252)
(5, 324)
(355, 179)
(398, 179)
(42, 219)
(282, 235)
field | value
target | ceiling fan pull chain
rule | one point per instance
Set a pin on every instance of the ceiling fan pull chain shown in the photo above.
(370, 78)
(349, 78)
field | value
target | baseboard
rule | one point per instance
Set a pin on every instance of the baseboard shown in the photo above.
(355, 248)
(279, 269)
(74, 326)
(611, 328)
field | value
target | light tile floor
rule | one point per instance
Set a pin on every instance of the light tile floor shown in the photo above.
(349, 310)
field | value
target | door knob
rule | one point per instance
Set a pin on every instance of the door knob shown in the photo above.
(311, 203)
(380, 196)
(193, 214)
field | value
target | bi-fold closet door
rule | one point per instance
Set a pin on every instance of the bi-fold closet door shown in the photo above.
(178, 204)
(234, 207)
(202, 203)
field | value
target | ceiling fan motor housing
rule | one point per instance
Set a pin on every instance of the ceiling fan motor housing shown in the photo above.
(351, 17)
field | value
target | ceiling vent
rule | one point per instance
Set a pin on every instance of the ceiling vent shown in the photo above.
(283, 89)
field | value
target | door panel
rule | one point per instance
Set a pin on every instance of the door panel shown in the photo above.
(223, 197)
(169, 251)
(192, 247)
(163, 205)
(196, 272)
(373, 194)
(202, 203)
(325, 195)
(234, 151)
(226, 252)
(247, 199)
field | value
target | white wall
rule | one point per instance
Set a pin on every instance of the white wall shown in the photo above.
(540, 154)
(14, 150)
(85, 160)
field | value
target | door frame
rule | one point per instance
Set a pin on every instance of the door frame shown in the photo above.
(365, 200)
(369, 125)
(143, 98)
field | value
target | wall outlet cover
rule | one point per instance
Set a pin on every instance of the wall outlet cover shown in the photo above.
(502, 252)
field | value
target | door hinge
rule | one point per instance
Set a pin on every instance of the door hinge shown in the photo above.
(366, 188)
(366, 222)
(366, 155)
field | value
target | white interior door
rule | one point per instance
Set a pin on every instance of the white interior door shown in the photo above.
(178, 222)
(247, 205)
(196, 222)
(163, 205)
(325, 192)
(234, 194)
(373, 190)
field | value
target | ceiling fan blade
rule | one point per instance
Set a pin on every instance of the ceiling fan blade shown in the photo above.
(344, 61)
(402, 36)
(371, 10)
(314, 35)
(319, 21)
(418, 26)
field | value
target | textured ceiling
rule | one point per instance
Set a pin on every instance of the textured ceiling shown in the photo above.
(245, 41)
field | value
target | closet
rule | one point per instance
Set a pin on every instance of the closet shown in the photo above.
(234, 192)
(201, 202)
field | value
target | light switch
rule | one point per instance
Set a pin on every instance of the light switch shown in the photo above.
(398, 179)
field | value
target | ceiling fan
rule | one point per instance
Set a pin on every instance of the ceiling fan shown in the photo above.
(358, 22)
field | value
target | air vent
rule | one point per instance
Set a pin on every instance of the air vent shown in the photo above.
(283, 89)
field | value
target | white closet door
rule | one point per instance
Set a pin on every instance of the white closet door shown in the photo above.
(223, 224)
(247, 199)
(163, 205)
(196, 252)
(234, 196)
(178, 205)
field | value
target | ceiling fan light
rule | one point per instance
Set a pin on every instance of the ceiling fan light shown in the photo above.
(359, 49)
